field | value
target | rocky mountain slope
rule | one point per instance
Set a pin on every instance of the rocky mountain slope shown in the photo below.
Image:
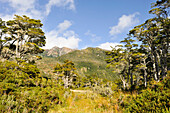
(56, 51)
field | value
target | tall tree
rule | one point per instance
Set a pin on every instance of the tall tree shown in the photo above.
(125, 61)
(116, 60)
(25, 36)
(154, 33)
(130, 53)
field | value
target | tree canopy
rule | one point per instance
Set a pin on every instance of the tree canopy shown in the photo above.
(21, 38)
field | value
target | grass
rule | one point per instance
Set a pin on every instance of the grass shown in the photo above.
(86, 103)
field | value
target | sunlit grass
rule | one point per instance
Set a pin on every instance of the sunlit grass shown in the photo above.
(86, 103)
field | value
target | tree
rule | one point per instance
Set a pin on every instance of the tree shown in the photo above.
(116, 60)
(3, 39)
(130, 56)
(152, 56)
(125, 60)
(24, 37)
(66, 72)
(154, 34)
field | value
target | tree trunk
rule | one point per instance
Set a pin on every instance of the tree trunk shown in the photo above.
(154, 71)
(145, 74)
(164, 59)
(153, 59)
(124, 84)
(154, 65)
(157, 58)
(145, 79)
(66, 82)
(123, 81)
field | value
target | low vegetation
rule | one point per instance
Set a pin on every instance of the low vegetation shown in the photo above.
(142, 73)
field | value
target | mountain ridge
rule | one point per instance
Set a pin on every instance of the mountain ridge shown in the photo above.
(57, 51)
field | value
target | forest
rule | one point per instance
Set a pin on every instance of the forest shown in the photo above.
(141, 64)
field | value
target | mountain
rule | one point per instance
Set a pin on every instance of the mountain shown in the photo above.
(56, 51)
(90, 61)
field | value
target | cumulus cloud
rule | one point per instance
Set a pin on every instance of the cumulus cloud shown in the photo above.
(125, 21)
(69, 4)
(22, 7)
(29, 8)
(64, 26)
(68, 39)
(94, 37)
(108, 45)
(62, 37)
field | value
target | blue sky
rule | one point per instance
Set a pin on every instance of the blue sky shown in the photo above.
(79, 24)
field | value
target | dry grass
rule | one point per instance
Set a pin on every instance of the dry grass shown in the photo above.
(87, 103)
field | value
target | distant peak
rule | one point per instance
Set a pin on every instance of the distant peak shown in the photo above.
(57, 51)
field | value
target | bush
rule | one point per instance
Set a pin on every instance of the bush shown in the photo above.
(156, 98)
(104, 91)
(22, 89)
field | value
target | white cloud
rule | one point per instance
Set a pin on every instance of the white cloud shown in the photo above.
(31, 9)
(125, 21)
(108, 45)
(69, 4)
(94, 37)
(22, 7)
(62, 37)
(64, 26)
(69, 39)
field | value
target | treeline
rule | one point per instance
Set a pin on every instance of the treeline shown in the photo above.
(144, 54)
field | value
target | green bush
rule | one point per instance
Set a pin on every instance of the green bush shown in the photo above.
(22, 89)
(156, 98)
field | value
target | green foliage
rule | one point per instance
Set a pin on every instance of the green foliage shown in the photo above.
(25, 37)
(89, 61)
(155, 98)
(66, 73)
(150, 60)
(124, 60)
(22, 89)
(154, 35)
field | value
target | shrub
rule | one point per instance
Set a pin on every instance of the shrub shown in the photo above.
(22, 89)
(156, 98)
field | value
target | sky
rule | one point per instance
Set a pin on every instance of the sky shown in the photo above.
(79, 24)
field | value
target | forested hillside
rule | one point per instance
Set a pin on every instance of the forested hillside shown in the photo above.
(90, 61)
(133, 77)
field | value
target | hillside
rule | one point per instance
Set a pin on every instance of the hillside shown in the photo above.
(90, 61)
